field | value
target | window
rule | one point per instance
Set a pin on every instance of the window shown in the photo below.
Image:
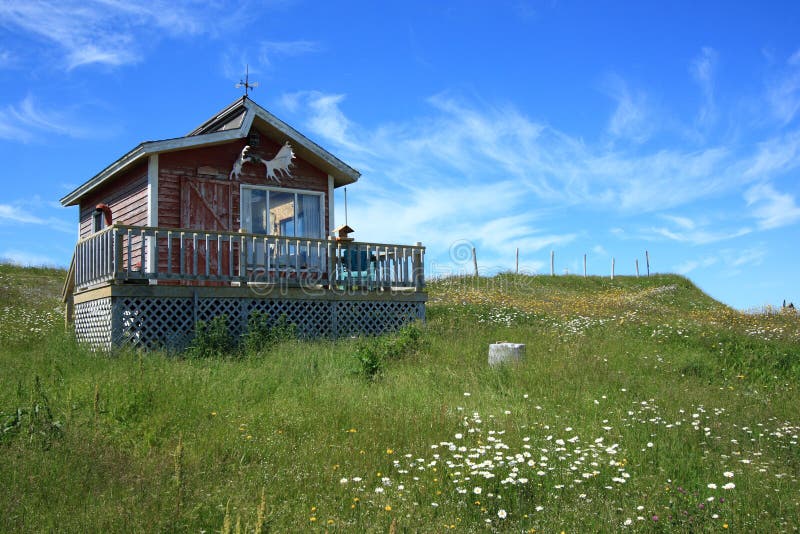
(98, 221)
(283, 212)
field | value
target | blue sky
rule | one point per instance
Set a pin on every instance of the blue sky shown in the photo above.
(579, 128)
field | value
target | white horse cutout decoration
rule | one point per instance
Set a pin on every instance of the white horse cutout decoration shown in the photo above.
(275, 167)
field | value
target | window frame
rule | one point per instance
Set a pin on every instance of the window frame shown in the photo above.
(98, 221)
(246, 217)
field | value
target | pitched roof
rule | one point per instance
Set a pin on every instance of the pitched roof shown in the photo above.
(233, 122)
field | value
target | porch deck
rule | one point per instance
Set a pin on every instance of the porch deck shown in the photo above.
(148, 287)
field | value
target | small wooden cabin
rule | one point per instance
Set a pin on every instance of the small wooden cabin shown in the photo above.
(236, 216)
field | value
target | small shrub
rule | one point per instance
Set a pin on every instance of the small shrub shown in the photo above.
(262, 335)
(369, 355)
(212, 339)
(372, 353)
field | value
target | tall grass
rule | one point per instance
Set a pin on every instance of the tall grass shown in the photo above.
(299, 437)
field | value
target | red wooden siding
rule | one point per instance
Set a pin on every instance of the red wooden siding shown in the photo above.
(126, 196)
(214, 164)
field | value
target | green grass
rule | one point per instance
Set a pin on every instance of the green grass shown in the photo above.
(686, 388)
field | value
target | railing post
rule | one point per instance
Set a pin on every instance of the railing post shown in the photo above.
(117, 252)
(142, 251)
(182, 254)
(243, 259)
(194, 253)
(330, 267)
(419, 267)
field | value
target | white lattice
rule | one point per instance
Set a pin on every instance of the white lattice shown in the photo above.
(234, 311)
(373, 317)
(312, 317)
(152, 322)
(93, 323)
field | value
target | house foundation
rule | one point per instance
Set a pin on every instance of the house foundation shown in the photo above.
(154, 317)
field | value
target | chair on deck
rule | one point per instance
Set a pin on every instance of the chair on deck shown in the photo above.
(358, 266)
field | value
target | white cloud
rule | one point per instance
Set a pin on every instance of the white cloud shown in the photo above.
(6, 59)
(489, 142)
(631, 118)
(21, 213)
(772, 208)
(488, 173)
(703, 231)
(701, 237)
(748, 256)
(775, 155)
(22, 121)
(783, 93)
(268, 50)
(702, 69)
(683, 222)
(690, 265)
(235, 60)
(110, 32)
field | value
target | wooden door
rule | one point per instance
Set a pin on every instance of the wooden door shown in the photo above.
(206, 205)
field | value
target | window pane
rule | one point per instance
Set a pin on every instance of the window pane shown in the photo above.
(308, 216)
(281, 213)
(258, 212)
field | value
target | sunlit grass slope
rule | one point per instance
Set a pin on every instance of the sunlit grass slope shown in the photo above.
(642, 404)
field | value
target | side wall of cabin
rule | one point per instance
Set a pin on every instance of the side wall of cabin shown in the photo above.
(126, 196)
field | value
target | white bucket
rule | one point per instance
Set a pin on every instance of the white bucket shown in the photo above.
(502, 352)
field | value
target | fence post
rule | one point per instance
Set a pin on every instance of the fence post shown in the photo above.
(612, 268)
(647, 259)
(516, 270)
(552, 263)
(637, 267)
(584, 265)
(475, 260)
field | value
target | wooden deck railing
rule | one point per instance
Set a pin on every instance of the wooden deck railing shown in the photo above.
(124, 253)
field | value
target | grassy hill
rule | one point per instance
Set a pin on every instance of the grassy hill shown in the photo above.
(642, 404)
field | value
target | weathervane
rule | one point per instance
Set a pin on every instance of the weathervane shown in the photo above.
(246, 83)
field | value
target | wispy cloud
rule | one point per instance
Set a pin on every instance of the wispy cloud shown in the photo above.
(266, 56)
(108, 32)
(688, 266)
(20, 214)
(778, 154)
(702, 70)
(772, 208)
(324, 117)
(697, 237)
(702, 231)
(783, 92)
(22, 121)
(270, 50)
(488, 173)
(6, 59)
(741, 257)
(631, 118)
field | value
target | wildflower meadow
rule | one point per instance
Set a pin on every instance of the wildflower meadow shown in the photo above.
(642, 405)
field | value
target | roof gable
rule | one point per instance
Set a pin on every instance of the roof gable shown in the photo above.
(233, 122)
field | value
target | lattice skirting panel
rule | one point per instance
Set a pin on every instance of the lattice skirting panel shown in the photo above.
(93, 323)
(168, 322)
